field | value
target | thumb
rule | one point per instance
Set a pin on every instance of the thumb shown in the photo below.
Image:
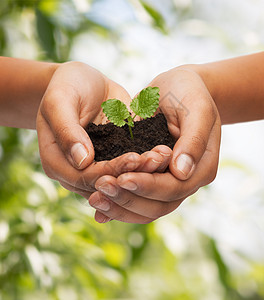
(77, 146)
(63, 119)
(195, 130)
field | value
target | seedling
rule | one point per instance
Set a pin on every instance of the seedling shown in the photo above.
(144, 106)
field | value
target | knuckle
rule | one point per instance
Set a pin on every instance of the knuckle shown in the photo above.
(62, 136)
(61, 133)
(198, 142)
(127, 203)
(109, 168)
(129, 162)
(83, 183)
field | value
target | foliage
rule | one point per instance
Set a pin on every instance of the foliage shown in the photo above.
(50, 246)
(116, 111)
(144, 106)
(146, 103)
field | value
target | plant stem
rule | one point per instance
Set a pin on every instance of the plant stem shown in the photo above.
(131, 133)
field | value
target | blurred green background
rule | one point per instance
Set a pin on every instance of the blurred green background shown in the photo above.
(50, 246)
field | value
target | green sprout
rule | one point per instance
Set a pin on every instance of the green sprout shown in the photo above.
(144, 106)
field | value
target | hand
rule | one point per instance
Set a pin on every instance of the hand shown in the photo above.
(193, 119)
(72, 100)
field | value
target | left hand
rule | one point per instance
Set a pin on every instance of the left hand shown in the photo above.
(72, 99)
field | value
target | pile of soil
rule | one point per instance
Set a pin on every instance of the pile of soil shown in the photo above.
(110, 141)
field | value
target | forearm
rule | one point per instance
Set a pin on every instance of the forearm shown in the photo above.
(237, 87)
(22, 85)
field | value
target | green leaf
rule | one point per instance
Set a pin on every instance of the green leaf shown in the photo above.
(146, 103)
(116, 111)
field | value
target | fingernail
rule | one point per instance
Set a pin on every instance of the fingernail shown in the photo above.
(129, 185)
(108, 189)
(130, 166)
(78, 153)
(156, 161)
(102, 219)
(165, 154)
(184, 163)
(102, 205)
(152, 164)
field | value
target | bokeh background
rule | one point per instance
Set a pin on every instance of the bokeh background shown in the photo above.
(212, 247)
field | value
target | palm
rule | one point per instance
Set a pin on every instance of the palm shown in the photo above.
(92, 111)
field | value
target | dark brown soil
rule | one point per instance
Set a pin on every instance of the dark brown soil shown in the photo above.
(110, 141)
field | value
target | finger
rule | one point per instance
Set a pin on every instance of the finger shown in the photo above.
(101, 218)
(191, 114)
(149, 208)
(153, 161)
(64, 121)
(54, 162)
(192, 144)
(208, 165)
(165, 187)
(57, 167)
(117, 213)
(119, 208)
(84, 193)
(69, 104)
(157, 160)
(125, 163)
(166, 153)
(157, 186)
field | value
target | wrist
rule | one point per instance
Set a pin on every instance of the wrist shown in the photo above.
(22, 87)
(206, 76)
(43, 73)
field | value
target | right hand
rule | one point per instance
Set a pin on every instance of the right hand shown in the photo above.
(193, 119)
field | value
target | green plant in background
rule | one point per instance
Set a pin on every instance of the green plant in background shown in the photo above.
(144, 106)
(50, 246)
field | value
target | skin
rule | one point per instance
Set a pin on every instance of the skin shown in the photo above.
(59, 100)
(22, 86)
(132, 188)
(73, 99)
(157, 194)
(237, 90)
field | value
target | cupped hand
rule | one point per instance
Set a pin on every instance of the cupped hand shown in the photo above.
(193, 119)
(72, 100)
